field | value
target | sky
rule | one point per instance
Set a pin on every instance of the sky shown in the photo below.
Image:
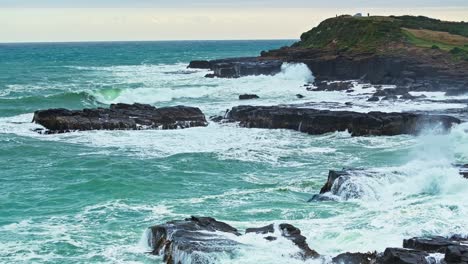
(123, 20)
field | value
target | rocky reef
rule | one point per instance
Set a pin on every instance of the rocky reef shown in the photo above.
(314, 121)
(120, 117)
(238, 67)
(197, 240)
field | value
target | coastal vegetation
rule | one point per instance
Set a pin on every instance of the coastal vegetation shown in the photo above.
(383, 34)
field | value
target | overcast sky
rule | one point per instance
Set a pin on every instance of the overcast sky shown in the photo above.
(106, 20)
(230, 3)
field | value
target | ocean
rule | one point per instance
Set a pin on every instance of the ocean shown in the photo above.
(89, 197)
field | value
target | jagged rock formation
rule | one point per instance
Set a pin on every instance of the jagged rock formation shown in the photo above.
(196, 240)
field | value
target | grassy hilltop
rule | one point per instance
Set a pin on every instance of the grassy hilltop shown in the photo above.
(388, 34)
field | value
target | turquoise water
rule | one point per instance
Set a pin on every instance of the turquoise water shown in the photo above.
(88, 197)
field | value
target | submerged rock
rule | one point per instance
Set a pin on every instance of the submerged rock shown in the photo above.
(248, 96)
(314, 121)
(120, 117)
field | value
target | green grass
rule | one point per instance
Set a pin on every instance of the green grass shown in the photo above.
(459, 52)
(343, 33)
(367, 34)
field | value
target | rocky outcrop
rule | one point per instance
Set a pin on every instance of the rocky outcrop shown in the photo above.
(198, 239)
(248, 96)
(238, 67)
(342, 184)
(415, 69)
(355, 258)
(434, 244)
(120, 117)
(193, 238)
(314, 121)
(346, 184)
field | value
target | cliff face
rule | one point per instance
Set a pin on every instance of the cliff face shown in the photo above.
(384, 50)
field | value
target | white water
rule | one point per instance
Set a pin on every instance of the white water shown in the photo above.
(422, 195)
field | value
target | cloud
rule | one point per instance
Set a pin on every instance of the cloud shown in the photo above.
(231, 3)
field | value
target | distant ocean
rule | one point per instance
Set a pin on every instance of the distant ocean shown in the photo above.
(88, 197)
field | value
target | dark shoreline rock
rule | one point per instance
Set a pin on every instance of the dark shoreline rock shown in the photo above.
(120, 117)
(315, 122)
(347, 177)
(238, 67)
(197, 237)
(248, 96)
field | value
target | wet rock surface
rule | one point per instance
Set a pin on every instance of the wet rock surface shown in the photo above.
(345, 184)
(195, 239)
(120, 117)
(358, 258)
(314, 121)
(198, 240)
(238, 67)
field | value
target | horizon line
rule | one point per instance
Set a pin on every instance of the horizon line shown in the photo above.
(122, 41)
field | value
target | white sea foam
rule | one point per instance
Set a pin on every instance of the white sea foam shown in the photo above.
(422, 195)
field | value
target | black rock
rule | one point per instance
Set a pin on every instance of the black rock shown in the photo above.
(348, 103)
(355, 258)
(248, 96)
(373, 99)
(431, 244)
(407, 96)
(195, 236)
(314, 121)
(333, 86)
(403, 256)
(294, 234)
(238, 67)
(300, 96)
(290, 232)
(120, 117)
(333, 175)
(261, 230)
(456, 91)
(456, 254)
(390, 98)
(199, 64)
